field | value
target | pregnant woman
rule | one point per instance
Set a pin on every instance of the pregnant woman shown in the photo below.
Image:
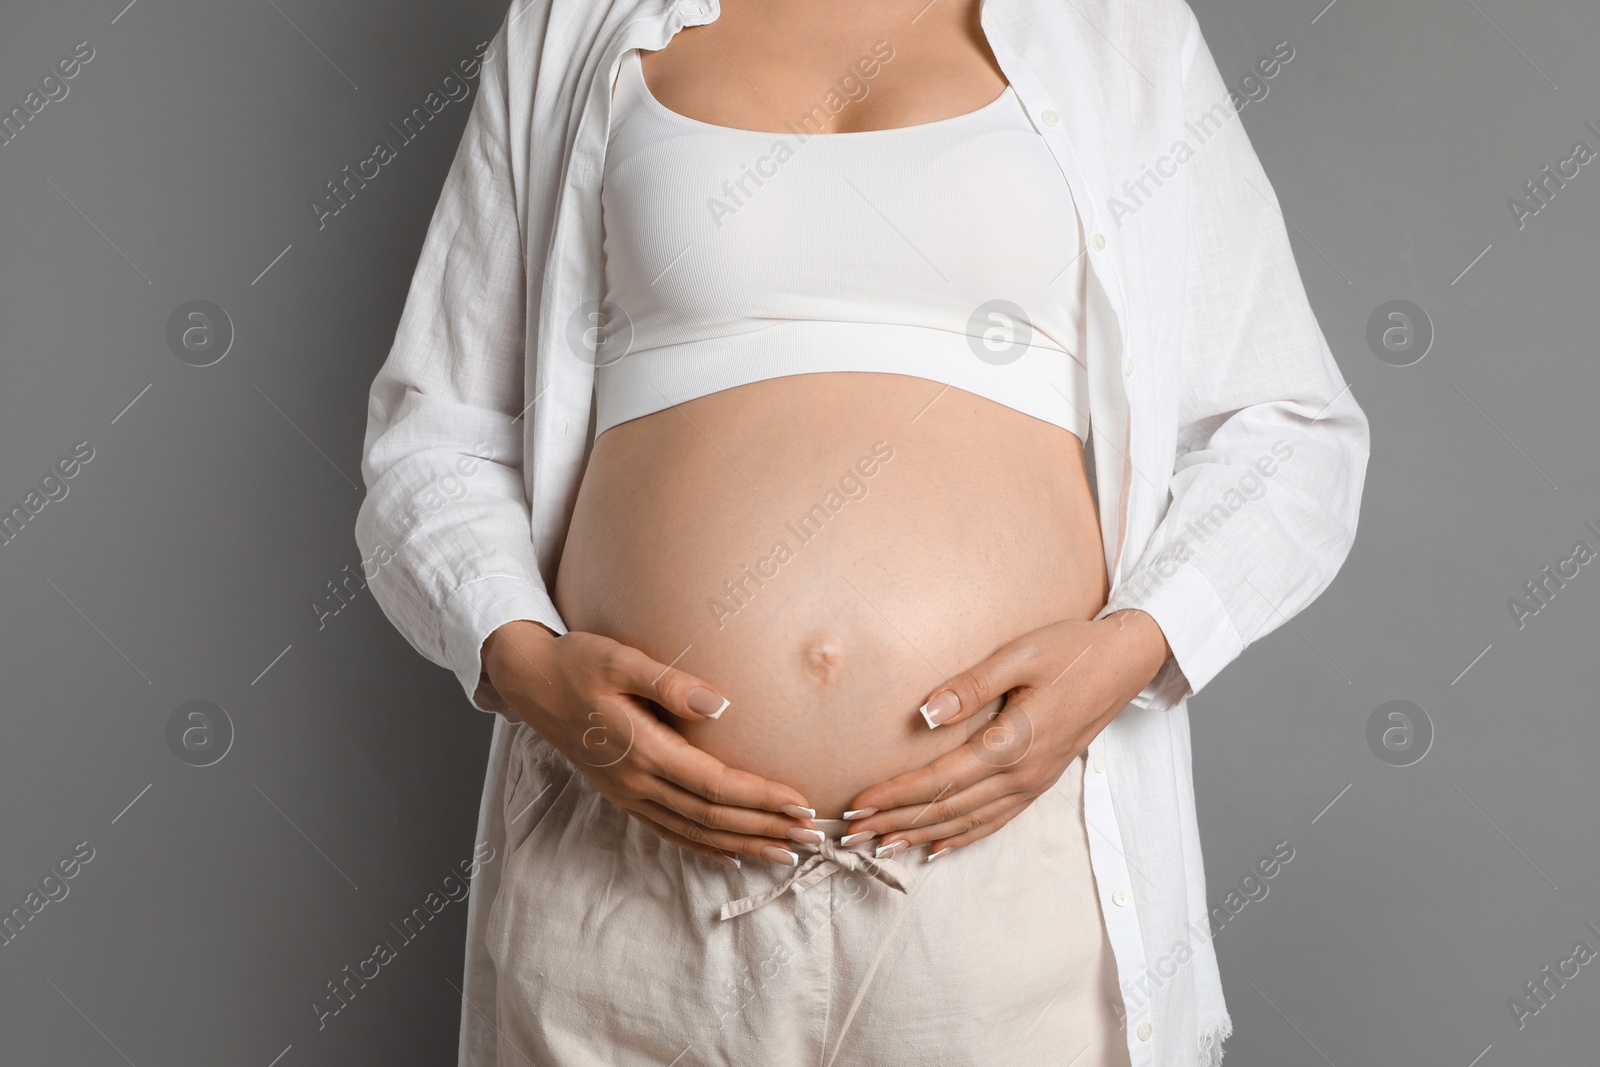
(837, 440)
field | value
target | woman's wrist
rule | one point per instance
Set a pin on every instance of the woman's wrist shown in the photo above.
(511, 646)
(1137, 643)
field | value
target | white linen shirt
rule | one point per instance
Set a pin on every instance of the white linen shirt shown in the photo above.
(1229, 453)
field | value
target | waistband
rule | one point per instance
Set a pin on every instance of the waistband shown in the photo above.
(822, 861)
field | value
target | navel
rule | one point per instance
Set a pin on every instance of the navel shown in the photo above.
(822, 659)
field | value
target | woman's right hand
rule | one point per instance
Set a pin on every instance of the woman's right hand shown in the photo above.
(590, 698)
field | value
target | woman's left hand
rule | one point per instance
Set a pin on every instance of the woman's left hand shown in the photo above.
(1062, 683)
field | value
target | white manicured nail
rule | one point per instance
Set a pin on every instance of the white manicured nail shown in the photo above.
(780, 855)
(943, 705)
(935, 855)
(700, 699)
(727, 860)
(885, 851)
(807, 837)
(852, 839)
(860, 813)
(795, 811)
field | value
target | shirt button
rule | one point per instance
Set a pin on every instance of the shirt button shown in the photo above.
(1099, 763)
(1127, 366)
(987, 19)
(1099, 240)
(1144, 1031)
(1120, 898)
(1048, 117)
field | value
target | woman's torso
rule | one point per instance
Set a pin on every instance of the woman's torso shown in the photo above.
(827, 547)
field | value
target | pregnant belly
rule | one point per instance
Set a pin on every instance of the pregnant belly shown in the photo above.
(826, 549)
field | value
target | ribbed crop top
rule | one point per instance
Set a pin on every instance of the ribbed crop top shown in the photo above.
(950, 251)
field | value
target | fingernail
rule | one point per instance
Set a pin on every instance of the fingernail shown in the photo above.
(806, 837)
(726, 860)
(851, 839)
(779, 855)
(795, 811)
(943, 705)
(707, 703)
(935, 855)
(860, 813)
(885, 851)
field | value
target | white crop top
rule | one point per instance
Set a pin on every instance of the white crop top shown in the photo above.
(949, 250)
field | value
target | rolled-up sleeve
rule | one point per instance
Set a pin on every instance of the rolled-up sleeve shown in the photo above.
(445, 522)
(1271, 448)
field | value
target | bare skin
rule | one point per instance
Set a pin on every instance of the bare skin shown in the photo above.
(970, 563)
(762, 64)
(977, 527)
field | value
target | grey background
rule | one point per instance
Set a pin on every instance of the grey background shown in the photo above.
(220, 900)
